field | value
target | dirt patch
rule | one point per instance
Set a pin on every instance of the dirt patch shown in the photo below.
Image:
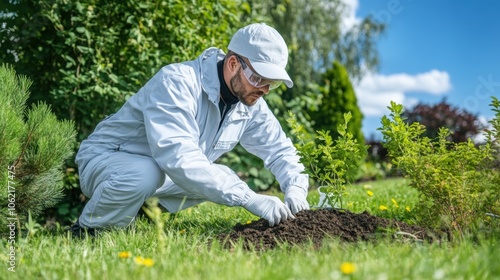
(315, 225)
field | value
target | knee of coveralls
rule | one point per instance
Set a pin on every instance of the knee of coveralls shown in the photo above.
(118, 185)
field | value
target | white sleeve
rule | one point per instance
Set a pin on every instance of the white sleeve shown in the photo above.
(266, 139)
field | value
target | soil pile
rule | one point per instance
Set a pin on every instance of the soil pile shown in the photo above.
(317, 224)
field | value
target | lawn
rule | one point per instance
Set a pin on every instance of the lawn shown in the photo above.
(187, 249)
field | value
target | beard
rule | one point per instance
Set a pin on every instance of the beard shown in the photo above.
(247, 98)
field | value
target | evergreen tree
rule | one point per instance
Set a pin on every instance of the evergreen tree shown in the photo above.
(337, 97)
(33, 147)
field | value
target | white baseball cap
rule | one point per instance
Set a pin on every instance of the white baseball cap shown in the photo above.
(266, 50)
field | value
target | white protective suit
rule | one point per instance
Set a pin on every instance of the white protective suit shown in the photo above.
(171, 127)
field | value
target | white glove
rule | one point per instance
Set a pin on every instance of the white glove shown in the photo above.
(295, 199)
(268, 207)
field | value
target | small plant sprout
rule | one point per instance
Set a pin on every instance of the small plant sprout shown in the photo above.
(332, 164)
(154, 213)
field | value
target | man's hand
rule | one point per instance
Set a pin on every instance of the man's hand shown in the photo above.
(295, 199)
(268, 207)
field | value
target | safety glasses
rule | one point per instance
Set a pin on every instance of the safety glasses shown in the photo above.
(255, 79)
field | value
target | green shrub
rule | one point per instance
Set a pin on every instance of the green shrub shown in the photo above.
(458, 182)
(86, 57)
(337, 97)
(330, 163)
(33, 146)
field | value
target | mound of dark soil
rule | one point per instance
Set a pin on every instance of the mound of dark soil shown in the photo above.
(315, 225)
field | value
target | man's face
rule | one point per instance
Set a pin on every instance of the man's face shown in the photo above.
(244, 91)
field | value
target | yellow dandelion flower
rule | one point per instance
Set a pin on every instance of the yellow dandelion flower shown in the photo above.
(383, 207)
(394, 201)
(369, 193)
(408, 208)
(124, 255)
(148, 262)
(249, 222)
(144, 261)
(347, 268)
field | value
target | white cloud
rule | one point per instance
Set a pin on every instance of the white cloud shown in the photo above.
(481, 137)
(434, 82)
(375, 91)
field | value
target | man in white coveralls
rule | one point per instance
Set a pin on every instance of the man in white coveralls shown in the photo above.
(164, 140)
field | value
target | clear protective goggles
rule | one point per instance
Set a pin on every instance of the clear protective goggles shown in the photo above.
(255, 79)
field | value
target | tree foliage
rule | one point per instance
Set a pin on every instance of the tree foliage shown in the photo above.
(87, 56)
(462, 124)
(336, 99)
(33, 147)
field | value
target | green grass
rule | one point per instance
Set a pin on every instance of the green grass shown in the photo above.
(188, 251)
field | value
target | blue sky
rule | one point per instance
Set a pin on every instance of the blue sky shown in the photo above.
(431, 50)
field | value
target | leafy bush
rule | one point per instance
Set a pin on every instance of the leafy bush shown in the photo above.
(330, 163)
(91, 55)
(33, 146)
(458, 182)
